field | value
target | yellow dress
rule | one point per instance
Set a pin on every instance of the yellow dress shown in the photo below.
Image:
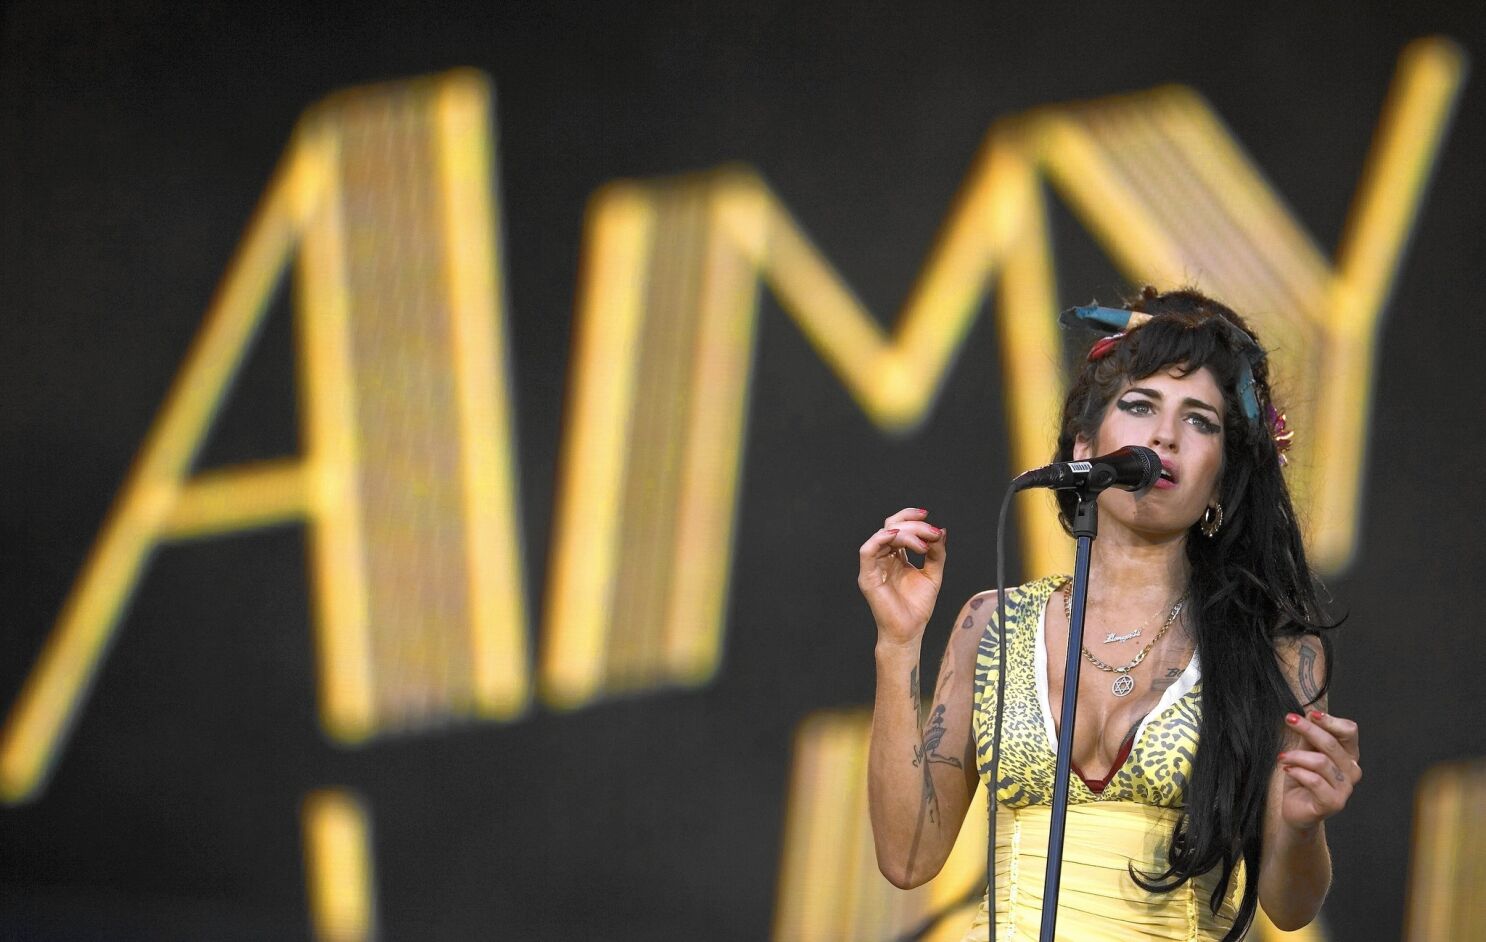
(1130, 820)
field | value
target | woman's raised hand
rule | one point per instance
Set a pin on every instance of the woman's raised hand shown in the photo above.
(1319, 776)
(902, 595)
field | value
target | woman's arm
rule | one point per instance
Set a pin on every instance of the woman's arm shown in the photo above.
(921, 773)
(921, 768)
(1312, 781)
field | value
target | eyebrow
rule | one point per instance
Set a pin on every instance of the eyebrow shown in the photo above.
(1189, 401)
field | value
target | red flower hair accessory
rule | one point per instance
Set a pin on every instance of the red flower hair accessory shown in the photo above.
(1283, 435)
(1104, 346)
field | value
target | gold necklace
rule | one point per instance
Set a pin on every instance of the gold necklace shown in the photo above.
(1124, 683)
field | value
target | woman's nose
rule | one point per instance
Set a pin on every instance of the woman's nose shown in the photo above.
(1164, 437)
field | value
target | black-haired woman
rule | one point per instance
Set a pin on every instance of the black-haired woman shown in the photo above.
(1206, 763)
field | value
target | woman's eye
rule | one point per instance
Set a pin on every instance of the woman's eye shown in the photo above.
(1204, 424)
(1135, 406)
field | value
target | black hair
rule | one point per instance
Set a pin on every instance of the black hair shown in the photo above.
(1251, 589)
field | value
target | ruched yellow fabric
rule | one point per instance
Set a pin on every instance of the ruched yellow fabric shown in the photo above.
(1097, 900)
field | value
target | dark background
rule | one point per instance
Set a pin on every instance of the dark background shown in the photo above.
(135, 139)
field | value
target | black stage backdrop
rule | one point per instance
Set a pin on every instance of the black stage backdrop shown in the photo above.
(135, 141)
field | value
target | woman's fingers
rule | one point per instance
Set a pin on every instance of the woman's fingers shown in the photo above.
(907, 513)
(879, 545)
(1344, 730)
(1327, 766)
(935, 555)
(1317, 763)
(887, 549)
(1322, 795)
(903, 530)
(1334, 736)
(917, 536)
(1323, 786)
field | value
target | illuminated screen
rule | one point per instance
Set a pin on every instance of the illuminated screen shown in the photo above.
(437, 520)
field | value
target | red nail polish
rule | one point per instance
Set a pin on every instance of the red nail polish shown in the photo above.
(892, 532)
(1282, 756)
(1317, 715)
(1292, 718)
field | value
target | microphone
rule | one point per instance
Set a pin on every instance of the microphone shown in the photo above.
(1133, 468)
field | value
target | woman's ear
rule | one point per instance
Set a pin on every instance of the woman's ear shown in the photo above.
(1082, 450)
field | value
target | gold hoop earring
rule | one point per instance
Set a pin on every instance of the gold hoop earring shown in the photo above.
(1212, 520)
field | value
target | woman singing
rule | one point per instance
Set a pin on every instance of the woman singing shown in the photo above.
(1205, 763)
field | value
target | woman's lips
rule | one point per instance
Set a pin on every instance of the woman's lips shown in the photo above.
(1167, 480)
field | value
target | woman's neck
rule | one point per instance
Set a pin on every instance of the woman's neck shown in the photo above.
(1131, 569)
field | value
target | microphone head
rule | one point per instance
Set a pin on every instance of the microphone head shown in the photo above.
(1135, 467)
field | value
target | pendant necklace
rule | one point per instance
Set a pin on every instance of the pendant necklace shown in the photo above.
(1123, 683)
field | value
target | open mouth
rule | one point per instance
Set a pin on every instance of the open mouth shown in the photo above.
(1167, 474)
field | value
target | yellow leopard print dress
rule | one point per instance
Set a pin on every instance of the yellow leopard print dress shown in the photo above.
(1130, 820)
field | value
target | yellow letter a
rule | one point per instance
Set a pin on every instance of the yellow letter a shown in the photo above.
(407, 472)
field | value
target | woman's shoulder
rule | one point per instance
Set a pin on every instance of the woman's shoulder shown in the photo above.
(1022, 601)
(1020, 594)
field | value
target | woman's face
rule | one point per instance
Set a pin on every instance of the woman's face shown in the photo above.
(1180, 418)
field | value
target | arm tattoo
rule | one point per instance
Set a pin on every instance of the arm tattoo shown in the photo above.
(946, 671)
(969, 621)
(1309, 688)
(933, 737)
(926, 753)
(930, 795)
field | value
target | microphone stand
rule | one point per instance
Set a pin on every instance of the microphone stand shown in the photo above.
(1085, 529)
